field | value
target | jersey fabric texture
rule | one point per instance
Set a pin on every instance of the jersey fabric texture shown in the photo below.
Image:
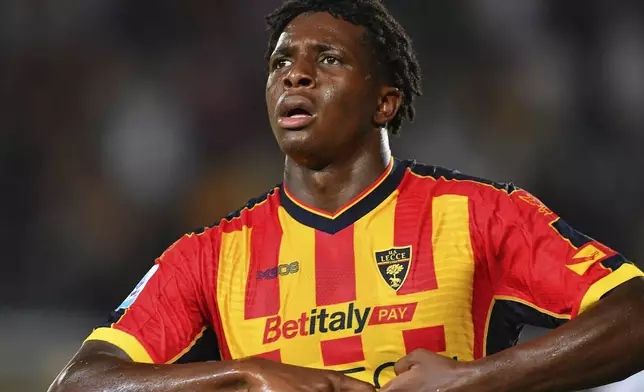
(424, 258)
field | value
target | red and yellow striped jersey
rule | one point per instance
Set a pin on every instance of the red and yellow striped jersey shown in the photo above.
(424, 258)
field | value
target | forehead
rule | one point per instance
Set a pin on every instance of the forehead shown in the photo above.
(321, 27)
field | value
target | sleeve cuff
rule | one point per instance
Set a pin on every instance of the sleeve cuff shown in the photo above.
(126, 342)
(624, 273)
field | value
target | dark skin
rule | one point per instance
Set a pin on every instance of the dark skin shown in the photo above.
(100, 366)
(345, 148)
(605, 344)
(326, 166)
(324, 62)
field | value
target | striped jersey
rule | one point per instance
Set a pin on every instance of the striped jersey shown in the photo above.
(424, 258)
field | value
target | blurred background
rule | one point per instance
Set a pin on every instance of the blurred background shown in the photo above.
(124, 124)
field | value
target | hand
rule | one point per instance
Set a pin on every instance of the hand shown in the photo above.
(423, 370)
(269, 376)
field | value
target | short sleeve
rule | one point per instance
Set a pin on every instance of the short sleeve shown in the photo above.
(541, 265)
(165, 316)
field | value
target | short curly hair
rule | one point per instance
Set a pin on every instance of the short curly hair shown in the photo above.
(390, 43)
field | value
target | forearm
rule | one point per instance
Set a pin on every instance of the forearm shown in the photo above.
(111, 374)
(603, 345)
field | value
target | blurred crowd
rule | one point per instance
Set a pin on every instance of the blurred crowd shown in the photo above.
(127, 123)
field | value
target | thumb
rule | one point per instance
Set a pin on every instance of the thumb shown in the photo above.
(403, 365)
(415, 357)
(399, 383)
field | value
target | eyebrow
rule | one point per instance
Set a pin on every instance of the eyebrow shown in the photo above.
(319, 47)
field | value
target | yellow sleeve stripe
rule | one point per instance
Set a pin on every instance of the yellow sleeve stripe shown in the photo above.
(596, 290)
(124, 341)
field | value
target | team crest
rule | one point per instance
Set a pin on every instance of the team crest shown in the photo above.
(393, 265)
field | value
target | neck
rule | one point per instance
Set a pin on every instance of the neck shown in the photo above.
(333, 186)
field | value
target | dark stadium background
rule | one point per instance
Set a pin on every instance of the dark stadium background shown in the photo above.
(126, 123)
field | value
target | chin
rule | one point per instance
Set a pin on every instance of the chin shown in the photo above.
(290, 140)
(296, 147)
(304, 151)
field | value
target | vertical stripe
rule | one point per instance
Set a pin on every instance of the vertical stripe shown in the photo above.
(232, 277)
(262, 286)
(210, 282)
(296, 291)
(482, 294)
(335, 273)
(412, 227)
(374, 233)
(454, 263)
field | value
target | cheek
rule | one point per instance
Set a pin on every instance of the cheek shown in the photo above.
(348, 103)
(339, 96)
(331, 93)
(272, 93)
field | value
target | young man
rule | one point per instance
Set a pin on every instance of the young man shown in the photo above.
(361, 271)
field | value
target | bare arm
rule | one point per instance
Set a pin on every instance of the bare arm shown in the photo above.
(603, 345)
(100, 366)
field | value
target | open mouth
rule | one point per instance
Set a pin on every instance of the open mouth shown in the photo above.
(295, 118)
(298, 112)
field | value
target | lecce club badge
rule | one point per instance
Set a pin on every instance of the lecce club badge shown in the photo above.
(393, 265)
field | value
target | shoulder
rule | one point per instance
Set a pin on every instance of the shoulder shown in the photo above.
(256, 211)
(204, 243)
(486, 197)
(500, 198)
(444, 180)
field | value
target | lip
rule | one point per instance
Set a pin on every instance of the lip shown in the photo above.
(291, 102)
(296, 122)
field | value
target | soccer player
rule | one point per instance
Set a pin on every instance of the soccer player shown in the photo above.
(361, 271)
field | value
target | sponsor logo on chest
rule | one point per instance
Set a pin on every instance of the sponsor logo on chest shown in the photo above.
(320, 320)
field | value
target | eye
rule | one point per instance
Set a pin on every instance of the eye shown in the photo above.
(281, 63)
(330, 60)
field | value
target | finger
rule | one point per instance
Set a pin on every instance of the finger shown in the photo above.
(403, 365)
(417, 356)
(404, 382)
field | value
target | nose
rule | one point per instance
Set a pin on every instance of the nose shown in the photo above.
(299, 75)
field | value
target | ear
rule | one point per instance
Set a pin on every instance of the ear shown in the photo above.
(389, 101)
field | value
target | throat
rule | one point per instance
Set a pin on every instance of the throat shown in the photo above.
(331, 189)
(327, 191)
